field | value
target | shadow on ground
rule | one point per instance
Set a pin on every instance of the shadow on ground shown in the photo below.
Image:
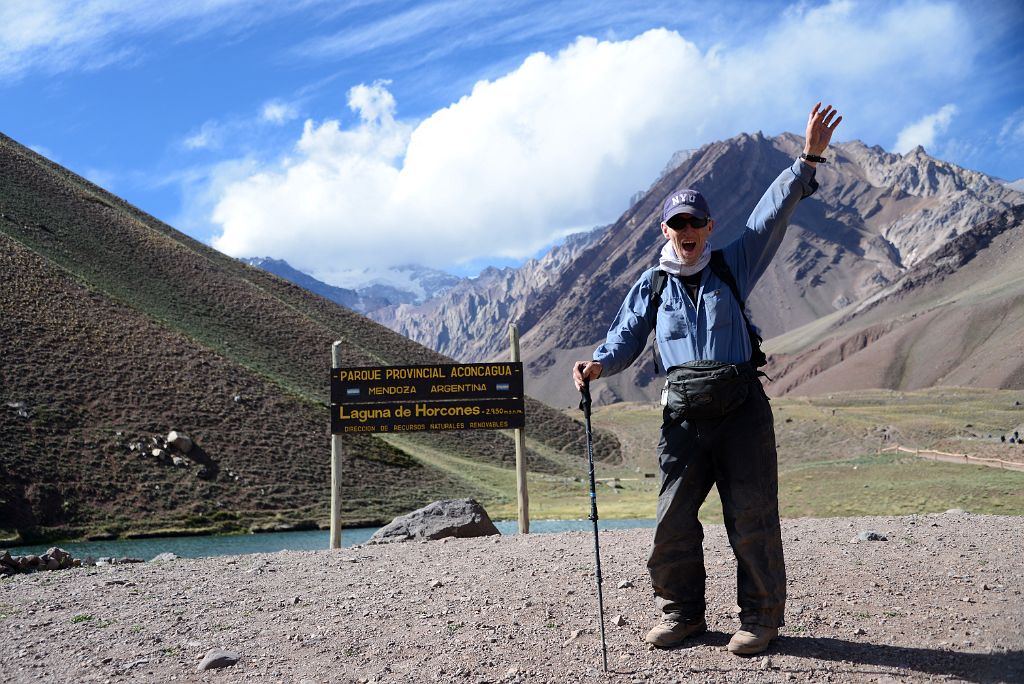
(982, 668)
(1007, 666)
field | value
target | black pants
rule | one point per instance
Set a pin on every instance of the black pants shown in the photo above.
(736, 452)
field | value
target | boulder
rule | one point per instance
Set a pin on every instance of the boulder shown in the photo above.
(164, 557)
(449, 518)
(179, 441)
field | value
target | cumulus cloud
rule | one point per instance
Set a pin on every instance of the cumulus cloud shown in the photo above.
(561, 142)
(925, 130)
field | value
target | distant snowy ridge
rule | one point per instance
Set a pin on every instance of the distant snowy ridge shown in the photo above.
(366, 290)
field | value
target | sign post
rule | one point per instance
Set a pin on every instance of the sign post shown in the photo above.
(517, 435)
(403, 399)
(335, 463)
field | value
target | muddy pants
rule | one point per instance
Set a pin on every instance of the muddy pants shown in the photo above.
(736, 452)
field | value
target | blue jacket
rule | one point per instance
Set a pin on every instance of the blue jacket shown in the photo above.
(713, 328)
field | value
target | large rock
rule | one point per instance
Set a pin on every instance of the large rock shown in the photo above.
(449, 518)
(179, 441)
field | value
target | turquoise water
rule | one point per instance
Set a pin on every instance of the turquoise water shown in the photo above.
(226, 545)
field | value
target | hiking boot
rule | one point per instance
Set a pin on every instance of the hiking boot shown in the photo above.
(751, 639)
(669, 632)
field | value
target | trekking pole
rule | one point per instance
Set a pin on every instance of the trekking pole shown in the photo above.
(585, 405)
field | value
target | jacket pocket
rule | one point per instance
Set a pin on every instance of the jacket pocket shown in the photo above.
(672, 320)
(718, 309)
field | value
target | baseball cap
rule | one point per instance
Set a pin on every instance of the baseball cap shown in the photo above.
(686, 201)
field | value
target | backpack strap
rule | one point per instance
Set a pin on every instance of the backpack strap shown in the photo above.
(658, 280)
(721, 269)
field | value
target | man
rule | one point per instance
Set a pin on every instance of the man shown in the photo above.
(718, 426)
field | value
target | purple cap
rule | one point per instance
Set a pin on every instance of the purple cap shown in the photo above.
(685, 201)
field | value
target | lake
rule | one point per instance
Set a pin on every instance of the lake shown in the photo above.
(271, 542)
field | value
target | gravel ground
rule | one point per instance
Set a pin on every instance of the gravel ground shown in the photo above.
(940, 600)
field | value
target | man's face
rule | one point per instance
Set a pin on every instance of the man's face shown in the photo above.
(688, 240)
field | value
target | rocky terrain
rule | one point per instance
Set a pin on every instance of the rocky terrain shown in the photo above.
(953, 319)
(939, 600)
(467, 321)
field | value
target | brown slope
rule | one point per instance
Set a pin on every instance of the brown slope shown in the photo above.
(956, 318)
(262, 327)
(82, 369)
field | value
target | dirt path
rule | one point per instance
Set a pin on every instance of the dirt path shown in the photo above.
(940, 600)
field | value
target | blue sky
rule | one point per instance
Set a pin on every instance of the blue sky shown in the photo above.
(350, 135)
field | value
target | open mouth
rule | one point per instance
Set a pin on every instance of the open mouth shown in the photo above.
(689, 245)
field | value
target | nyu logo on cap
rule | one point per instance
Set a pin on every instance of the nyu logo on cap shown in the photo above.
(686, 201)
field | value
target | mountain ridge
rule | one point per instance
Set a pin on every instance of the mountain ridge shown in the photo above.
(875, 215)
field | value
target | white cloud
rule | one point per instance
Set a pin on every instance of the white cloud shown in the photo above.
(207, 137)
(278, 112)
(562, 141)
(924, 131)
(1012, 131)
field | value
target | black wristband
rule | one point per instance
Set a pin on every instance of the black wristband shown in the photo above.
(813, 158)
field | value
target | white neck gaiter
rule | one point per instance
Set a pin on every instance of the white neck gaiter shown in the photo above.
(670, 262)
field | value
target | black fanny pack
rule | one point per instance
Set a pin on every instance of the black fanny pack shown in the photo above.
(706, 389)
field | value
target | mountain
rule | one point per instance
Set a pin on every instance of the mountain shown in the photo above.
(116, 329)
(470, 320)
(875, 215)
(955, 318)
(371, 290)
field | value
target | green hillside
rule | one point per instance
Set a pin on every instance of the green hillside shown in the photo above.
(116, 328)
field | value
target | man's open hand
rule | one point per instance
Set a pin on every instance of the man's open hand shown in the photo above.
(820, 125)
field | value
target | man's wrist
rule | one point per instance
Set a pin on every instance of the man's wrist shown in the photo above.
(812, 158)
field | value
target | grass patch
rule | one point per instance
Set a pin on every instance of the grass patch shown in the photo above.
(828, 465)
(551, 497)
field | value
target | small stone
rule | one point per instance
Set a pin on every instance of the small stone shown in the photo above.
(618, 621)
(871, 535)
(217, 658)
(955, 511)
(296, 600)
(436, 584)
(766, 663)
(625, 584)
(513, 671)
(860, 631)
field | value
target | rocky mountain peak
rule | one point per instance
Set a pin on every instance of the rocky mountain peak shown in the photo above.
(875, 215)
